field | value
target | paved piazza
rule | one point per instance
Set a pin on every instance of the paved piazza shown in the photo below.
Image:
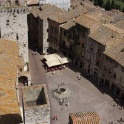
(84, 97)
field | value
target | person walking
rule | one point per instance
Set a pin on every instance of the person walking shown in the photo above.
(121, 120)
(68, 104)
(79, 77)
(56, 117)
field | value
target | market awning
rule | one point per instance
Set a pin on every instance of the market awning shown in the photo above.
(56, 59)
(63, 59)
(51, 60)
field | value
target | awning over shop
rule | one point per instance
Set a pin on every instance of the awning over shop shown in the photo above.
(56, 59)
(51, 60)
(62, 58)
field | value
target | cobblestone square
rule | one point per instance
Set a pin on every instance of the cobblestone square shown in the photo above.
(84, 97)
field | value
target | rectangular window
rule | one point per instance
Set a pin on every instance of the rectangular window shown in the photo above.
(111, 60)
(107, 58)
(91, 47)
(97, 62)
(83, 34)
(99, 52)
(82, 45)
(47, 39)
(65, 33)
(122, 69)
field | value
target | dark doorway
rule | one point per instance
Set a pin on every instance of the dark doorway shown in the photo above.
(107, 83)
(23, 79)
(95, 74)
(64, 53)
(118, 91)
(122, 97)
(113, 87)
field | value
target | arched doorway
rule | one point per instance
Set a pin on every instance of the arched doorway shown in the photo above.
(80, 64)
(107, 83)
(95, 73)
(122, 97)
(113, 87)
(23, 80)
(117, 91)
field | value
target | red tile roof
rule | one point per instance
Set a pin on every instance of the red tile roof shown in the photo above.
(84, 118)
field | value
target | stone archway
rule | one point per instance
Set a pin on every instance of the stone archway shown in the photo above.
(23, 80)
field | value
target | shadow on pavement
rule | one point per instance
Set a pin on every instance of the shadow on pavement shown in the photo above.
(101, 87)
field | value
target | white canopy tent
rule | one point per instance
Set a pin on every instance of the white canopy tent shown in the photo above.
(62, 58)
(52, 60)
(56, 59)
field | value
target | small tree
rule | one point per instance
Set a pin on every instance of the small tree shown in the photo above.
(113, 4)
(123, 10)
(108, 6)
(96, 2)
(118, 7)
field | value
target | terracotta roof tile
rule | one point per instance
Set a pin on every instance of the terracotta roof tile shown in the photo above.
(120, 24)
(34, 11)
(116, 52)
(114, 28)
(8, 76)
(85, 21)
(105, 36)
(79, 10)
(85, 118)
(47, 10)
(116, 15)
(68, 25)
(59, 17)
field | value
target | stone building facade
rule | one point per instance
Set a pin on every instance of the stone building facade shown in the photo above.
(54, 32)
(100, 33)
(13, 23)
(38, 20)
(84, 33)
(36, 105)
(33, 27)
(56, 28)
(9, 3)
(67, 38)
(14, 27)
(113, 64)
